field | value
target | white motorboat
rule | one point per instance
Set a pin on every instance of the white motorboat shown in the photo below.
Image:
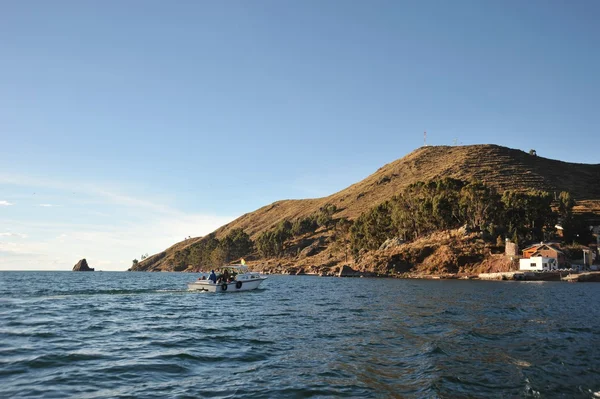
(241, 279)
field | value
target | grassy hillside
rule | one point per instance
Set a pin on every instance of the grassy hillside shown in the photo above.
(500, 167)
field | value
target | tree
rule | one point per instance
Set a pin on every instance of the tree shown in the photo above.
(242, 244)
(180, 259)
(341, 236)
(219, 256)
(527, 214)
(478, 205)
(235, 245)
(325, 214)
(532, 152)
(199, 254)
(405, 218)
(540, 218)
(371, 228)
(284, 227)
(565, 207)
(268, 244)
(303, 225)
(134, 262)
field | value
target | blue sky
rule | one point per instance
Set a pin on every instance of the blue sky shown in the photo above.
(126, 126)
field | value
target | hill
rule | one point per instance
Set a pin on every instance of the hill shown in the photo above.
(496, 166)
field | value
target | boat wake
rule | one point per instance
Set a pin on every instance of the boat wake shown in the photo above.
(90, 292)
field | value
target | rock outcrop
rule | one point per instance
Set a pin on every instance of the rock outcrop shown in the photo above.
(347, 271)
(391, 243)
(82, 266)
(312, 249)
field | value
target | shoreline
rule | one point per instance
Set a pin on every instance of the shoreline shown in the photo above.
(515, 275)
(589, 276)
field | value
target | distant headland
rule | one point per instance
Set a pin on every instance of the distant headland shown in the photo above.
(438, 211)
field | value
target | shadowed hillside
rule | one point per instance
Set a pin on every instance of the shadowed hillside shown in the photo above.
(500, 167)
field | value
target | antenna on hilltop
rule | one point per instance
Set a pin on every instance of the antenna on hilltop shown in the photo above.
(425, 139)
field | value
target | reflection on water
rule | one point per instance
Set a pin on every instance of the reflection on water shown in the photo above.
(95, 335)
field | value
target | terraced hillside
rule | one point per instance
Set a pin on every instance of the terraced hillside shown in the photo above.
(500, 167)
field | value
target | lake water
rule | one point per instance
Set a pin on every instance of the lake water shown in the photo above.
(142, 335)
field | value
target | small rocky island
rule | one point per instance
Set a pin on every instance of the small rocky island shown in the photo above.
(82, 266)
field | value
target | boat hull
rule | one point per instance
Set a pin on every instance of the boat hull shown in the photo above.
(234, 286)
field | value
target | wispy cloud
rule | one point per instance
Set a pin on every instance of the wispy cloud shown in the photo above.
(126, 200)
(88, 189)
(5, 203)
(127, 226)
(104, 246)
(28, 181)
(9, 234)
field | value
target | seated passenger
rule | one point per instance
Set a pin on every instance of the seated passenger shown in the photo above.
(225, 276)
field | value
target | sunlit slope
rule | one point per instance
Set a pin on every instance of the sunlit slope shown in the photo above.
(500, 167)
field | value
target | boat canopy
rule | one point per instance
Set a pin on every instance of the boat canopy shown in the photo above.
(239, 269)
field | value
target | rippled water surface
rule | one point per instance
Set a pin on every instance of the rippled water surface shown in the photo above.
(142, 335)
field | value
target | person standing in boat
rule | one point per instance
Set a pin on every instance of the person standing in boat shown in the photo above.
(213, 277)
(225, 276)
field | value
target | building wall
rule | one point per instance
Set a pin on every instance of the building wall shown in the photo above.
(530, 264)
(551, 253)
(546, 253)
(537, 263)
(529, 252)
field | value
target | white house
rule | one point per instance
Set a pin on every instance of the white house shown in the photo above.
(538, 263)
